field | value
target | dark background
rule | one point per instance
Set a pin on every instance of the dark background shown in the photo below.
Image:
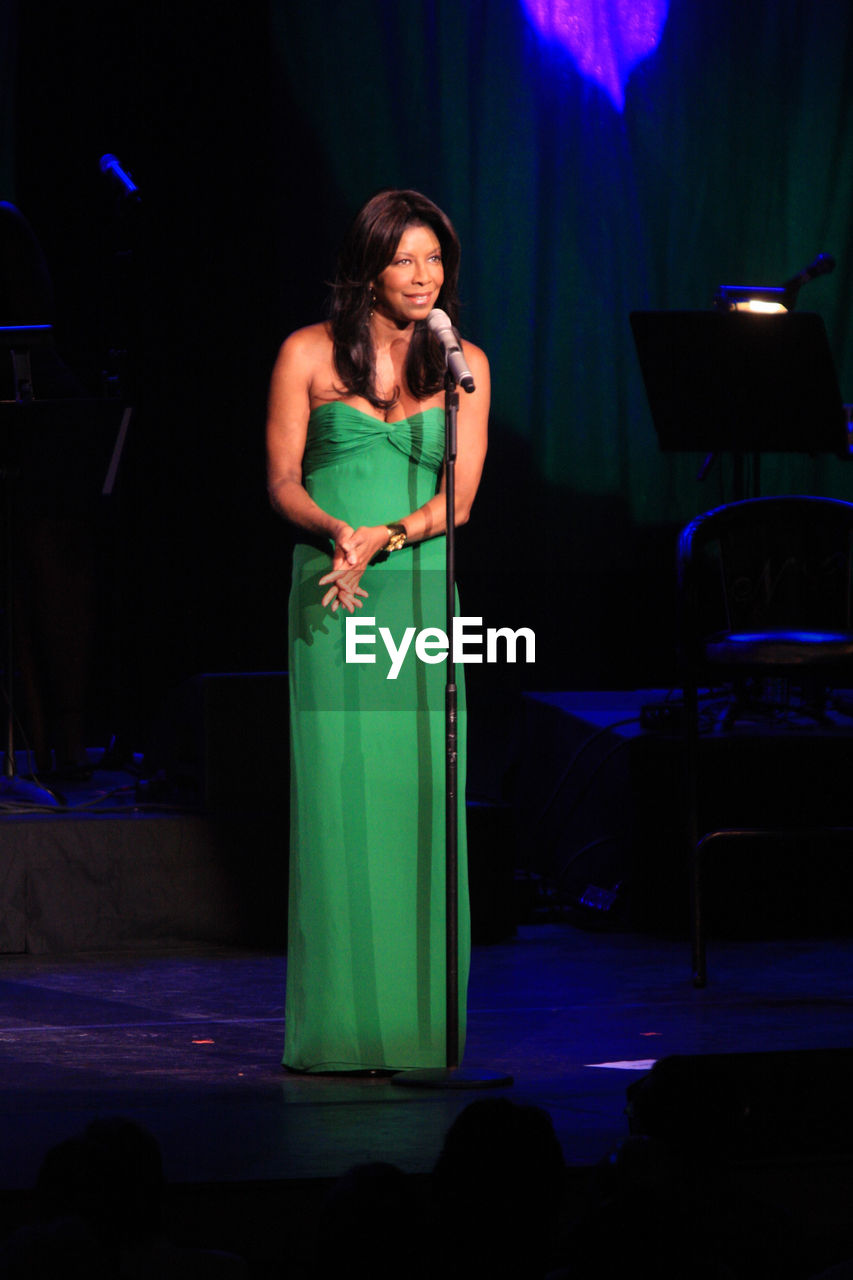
(254, 131)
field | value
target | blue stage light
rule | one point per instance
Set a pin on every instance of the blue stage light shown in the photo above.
(605, 38)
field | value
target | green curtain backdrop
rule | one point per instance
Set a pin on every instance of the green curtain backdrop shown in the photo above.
(255, 132)
(732, 162)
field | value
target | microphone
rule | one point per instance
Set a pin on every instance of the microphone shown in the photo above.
(112, 168)
(822, 265)
(439, 323)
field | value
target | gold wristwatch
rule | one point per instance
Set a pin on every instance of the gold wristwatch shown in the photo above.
(397, 537)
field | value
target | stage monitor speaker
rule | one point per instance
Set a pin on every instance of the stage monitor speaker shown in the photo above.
(742, 1106)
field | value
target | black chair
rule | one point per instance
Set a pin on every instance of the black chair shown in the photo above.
(765, 606)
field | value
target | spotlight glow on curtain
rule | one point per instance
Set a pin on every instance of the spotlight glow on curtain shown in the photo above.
(605, 38)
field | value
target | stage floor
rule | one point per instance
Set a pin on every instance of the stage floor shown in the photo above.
(186, 1036)
(188, 1042)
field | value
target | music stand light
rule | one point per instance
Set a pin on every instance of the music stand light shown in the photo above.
(758, 299)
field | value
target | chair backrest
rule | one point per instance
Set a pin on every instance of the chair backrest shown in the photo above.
(766, 563)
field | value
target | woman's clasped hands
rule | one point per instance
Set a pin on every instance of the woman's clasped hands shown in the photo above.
(354, 549)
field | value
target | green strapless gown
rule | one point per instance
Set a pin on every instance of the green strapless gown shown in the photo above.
(366, 935)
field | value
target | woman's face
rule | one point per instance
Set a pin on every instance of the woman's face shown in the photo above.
(408, 288)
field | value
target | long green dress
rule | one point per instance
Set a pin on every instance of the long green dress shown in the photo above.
(366, 934)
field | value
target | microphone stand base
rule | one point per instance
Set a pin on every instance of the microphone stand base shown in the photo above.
(451, 1078)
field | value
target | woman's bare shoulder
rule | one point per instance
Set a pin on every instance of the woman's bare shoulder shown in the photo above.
(312, 343)
(478, 363)
(474, 353)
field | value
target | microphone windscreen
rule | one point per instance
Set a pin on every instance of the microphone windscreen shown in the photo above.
(439, 321)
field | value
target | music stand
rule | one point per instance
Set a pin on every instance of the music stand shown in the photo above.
(733, 382)
(73, 446)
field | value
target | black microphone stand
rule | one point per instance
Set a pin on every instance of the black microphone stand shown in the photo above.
(451, 1075)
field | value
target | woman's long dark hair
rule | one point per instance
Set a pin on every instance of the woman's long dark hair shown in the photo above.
(367, 250)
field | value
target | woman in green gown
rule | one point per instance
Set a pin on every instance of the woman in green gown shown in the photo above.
(356, 446)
